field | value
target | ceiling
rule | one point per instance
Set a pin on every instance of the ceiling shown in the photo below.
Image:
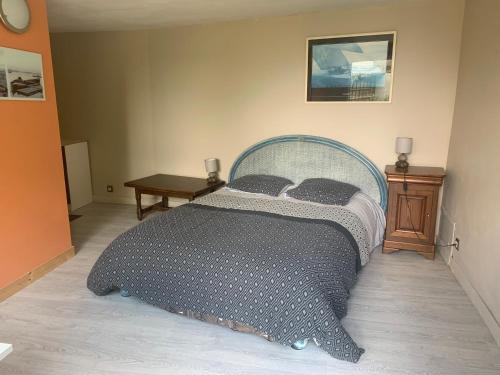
(107, 15)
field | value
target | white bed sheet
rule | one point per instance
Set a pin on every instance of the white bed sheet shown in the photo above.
(372, 216)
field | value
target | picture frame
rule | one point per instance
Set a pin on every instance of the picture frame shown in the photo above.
(356, 68)
(21, 75)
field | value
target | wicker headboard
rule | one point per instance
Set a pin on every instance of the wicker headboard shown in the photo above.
(298, 157)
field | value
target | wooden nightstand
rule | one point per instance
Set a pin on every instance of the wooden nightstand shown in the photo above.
(411, 215)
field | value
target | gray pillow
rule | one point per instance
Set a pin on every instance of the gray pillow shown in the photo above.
(324, 190)
(260, 183)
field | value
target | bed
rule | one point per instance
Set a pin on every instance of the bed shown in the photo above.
(274, 266)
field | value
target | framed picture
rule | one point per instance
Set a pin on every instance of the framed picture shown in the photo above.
(21, 75)
(351, 68)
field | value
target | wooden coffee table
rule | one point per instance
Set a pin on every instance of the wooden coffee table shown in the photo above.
(166, 185)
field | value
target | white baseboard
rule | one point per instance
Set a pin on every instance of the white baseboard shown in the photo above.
(476, 299)
(146, 200)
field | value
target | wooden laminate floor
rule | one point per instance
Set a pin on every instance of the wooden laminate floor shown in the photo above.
(409, 314)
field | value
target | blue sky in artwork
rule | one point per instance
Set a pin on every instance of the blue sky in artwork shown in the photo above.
(338, 65)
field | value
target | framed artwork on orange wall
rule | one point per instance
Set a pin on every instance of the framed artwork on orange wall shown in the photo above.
(21, 75)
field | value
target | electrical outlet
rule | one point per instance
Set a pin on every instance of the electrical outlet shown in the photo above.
(109, 188)
(457, 244)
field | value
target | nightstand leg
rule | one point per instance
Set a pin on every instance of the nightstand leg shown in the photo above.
(389, 250)
(427, 255)
(138, 201)
(164, 201)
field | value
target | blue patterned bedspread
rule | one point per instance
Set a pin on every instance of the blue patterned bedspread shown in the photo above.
(285, 275)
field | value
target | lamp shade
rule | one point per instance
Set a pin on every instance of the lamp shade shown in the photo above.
(212, 165)
(404, 145)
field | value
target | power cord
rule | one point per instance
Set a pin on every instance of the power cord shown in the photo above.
(454, 244)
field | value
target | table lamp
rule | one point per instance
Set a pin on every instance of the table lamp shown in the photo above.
(403, 148)
(212, 167)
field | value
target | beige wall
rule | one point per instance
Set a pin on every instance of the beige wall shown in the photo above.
(471, 194)
(214, 90)
(103, 85)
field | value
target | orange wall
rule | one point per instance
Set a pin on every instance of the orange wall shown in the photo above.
(34, 224)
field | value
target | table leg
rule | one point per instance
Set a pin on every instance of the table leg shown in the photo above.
(164, 201)
(138, 201)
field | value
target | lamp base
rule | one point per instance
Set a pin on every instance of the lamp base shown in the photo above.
(402, 163)
(212, 177)
(402, 166)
